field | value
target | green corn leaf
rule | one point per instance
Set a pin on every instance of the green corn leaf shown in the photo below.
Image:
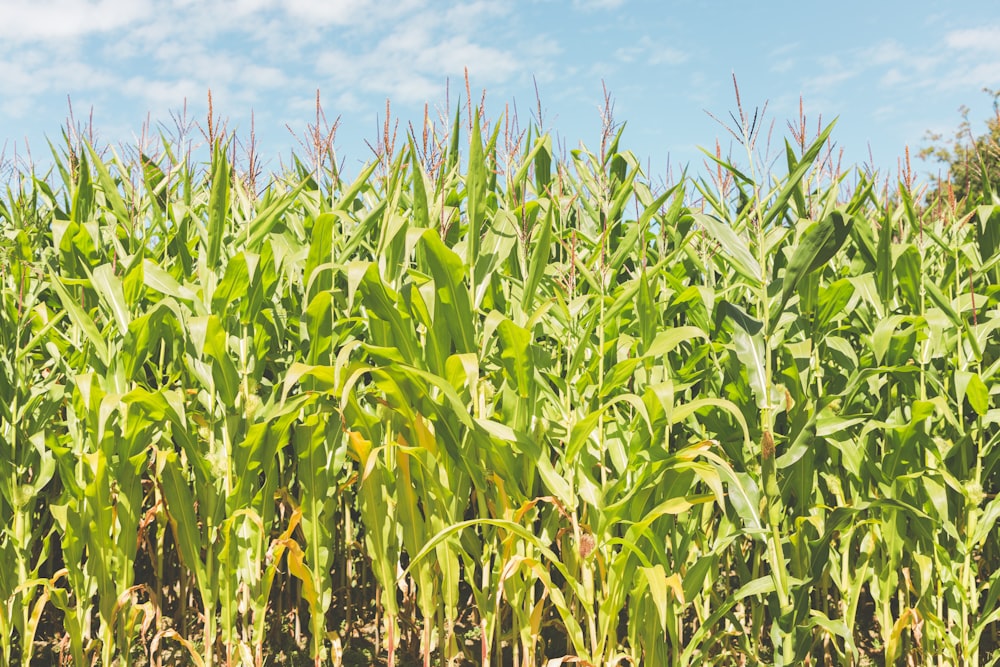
(734, 248)
(987, 220)
(383, 304)
(109, 289)
(728, 310)
(218, 206)
(421, 211)
(750, 351)
(515, 345)
(82, 320)
(266, 220)
(777, 208)
(234, 285)
(539, 157)
(971, 386)
(449, 272)
(539, 259)
(320, 253)
(883, 267)
(180, 505)
(832, 301)
(109, 188)
(475, 188)
(83, 198)
(909, 276)
(817, 245)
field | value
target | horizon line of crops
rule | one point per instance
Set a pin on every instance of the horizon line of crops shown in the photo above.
(499, 406)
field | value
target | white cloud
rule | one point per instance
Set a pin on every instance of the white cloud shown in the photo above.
(668, 56)
(893, 77)
(410, 62)
(834, 75)
(403, 49)
(163, 94)
(464, 16)
(885, 112)
(371, 16)
(981, 75)
(340, 12)
(34, 75)
(884, 53)
(397, 70)
(590, 5)
(130, 57)
(651, 52)
(26, 20)
(975, 39)
(782, 58)
(783, 65)
(266, 77)
(888, 63)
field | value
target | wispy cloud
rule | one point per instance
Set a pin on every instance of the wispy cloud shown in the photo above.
(969, 59)
(986, 39)
(342, 12)
(783, 58)
(973, 59)
(668, 56)
(412, 60)
(591, 5)
(35, 74)
(161, 52)
(30, 20)
(981, 75)
(363, 16)
(834, 71)
(650, 52)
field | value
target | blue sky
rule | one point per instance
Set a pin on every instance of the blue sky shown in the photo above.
(890, 70)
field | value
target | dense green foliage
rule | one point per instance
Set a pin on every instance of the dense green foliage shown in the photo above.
(501, 407)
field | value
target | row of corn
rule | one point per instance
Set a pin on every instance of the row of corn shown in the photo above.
(489, 404)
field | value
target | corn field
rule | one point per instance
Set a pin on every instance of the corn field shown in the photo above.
(495, 403)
